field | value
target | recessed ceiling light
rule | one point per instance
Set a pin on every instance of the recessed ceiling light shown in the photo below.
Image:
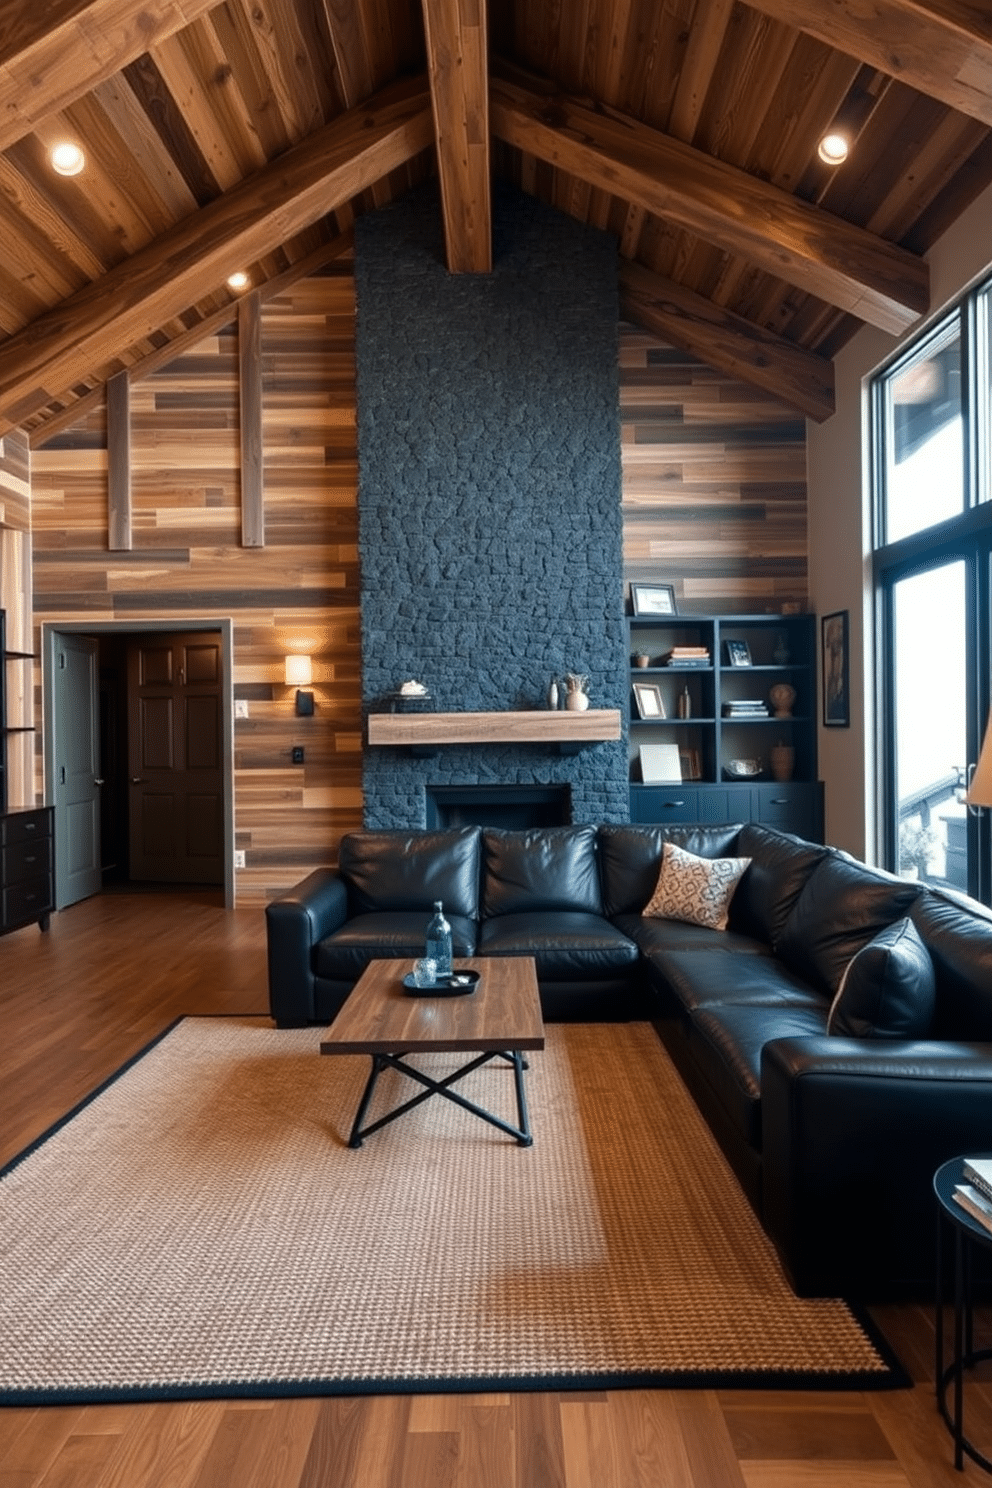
(833, 149)
(238, 280)
(67, 159)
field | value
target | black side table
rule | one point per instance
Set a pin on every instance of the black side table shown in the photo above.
(967, 1233)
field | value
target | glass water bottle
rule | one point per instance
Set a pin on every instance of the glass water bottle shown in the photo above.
(439, 941)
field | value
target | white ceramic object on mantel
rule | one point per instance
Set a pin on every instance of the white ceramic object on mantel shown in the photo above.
(576, 697)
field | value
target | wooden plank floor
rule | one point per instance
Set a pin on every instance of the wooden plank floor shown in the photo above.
(109, 975)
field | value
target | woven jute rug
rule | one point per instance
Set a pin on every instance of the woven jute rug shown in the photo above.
(200, 1227)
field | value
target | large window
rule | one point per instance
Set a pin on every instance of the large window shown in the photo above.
(924, 446)
(933, 558)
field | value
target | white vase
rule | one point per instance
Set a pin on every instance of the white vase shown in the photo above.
(577, 702)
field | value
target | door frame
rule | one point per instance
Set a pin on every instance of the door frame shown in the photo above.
(224, 626)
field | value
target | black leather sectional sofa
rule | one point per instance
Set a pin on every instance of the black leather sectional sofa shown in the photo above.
(833, 1137)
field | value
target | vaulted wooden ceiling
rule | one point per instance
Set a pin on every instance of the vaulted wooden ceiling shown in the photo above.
(249, 134)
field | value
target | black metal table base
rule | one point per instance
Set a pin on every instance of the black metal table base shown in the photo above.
(397, 1061)
(965, 1355)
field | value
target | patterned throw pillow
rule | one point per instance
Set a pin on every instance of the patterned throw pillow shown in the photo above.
(695, 889)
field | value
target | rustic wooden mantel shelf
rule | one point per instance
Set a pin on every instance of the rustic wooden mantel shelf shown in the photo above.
(418, 730)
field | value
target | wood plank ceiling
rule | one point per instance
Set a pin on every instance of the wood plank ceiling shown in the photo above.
(249, 134)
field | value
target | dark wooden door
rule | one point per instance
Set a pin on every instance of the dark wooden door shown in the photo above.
(175, 758)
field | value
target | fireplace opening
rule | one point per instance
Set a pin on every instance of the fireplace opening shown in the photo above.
(513, 807)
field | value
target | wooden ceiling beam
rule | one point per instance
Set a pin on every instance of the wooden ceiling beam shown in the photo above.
(457, 65)
(727, 341)
(152, 361)
(195, 256)
(942, 48)
(817, 252)
(52, 54)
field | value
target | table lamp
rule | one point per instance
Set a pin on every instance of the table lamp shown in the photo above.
(979, 792)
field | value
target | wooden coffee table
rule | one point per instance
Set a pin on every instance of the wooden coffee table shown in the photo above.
(500, 1018)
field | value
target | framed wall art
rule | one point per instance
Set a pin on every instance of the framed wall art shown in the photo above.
(835, 662)
(653, 599)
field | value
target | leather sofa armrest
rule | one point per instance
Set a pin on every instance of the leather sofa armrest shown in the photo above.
(852, 1133)
(295, 924)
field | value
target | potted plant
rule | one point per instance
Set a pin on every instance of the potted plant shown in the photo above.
(917, 846)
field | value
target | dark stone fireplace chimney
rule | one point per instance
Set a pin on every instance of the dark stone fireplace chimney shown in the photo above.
(489, 492)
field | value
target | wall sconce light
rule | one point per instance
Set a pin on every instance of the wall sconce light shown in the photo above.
(299, 673)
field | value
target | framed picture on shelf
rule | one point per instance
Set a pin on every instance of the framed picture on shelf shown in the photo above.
(653, 599)
(647, 696)
(692, 765)
(660, 764)
(835, 661)
(738, 653)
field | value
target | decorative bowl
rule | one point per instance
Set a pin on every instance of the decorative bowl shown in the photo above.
(743, 769)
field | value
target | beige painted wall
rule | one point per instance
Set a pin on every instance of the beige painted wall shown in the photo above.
(839, 531)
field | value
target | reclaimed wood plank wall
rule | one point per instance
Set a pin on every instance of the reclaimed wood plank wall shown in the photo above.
(713, 496)
(714, 483)
(299, 592)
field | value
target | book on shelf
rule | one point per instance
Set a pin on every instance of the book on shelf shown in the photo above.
(687, 656)
(745, 710)
(978, 1172)
(975, 1203)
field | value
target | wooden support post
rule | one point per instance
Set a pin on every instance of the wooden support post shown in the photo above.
(119, 462)
(250, 361)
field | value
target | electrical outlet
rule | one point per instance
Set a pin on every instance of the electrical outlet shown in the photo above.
(297, 754)
(241, 707)
(239, 857)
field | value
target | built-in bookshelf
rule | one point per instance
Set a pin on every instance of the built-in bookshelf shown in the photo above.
(723, 720)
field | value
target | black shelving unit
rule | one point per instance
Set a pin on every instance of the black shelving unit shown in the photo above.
(710, 737)
(27, 881)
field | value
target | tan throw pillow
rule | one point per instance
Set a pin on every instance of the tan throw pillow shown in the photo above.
(698, 890)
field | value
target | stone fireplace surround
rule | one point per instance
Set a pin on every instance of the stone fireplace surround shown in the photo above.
(489, 497)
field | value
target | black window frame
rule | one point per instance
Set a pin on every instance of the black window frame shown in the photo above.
(966, 536)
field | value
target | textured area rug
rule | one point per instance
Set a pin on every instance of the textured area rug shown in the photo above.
(200, 1227)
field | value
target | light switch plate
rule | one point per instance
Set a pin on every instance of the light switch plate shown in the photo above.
(239, 857)
(241, 707)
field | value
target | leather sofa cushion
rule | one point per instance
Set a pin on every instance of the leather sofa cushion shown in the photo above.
(888, 989)
(679, 935)
(727, 1041)
(708, 978)
(843, 906)
(398, 870)
(780, 869)
(630, 859)
(566, 946)
(545, 868)
(958, 937)
(344, 954)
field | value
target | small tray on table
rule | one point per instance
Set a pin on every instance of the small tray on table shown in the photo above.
(455, 985)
